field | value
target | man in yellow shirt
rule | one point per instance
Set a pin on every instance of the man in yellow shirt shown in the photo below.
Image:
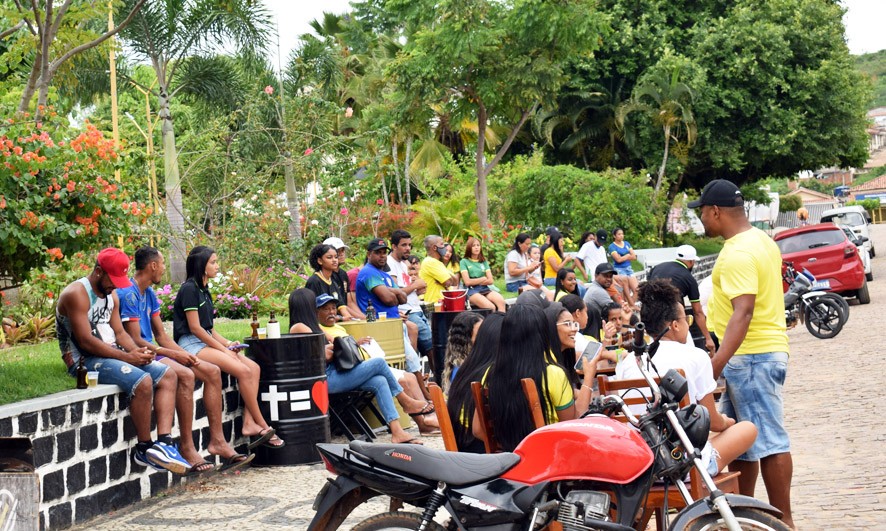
(747, 311)
(433, 271)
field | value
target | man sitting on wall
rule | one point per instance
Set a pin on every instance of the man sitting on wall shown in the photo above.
(89, 327)
(140, 313)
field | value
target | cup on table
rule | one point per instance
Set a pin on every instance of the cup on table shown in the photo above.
(262, 333)
(92, 378)
(382, 317)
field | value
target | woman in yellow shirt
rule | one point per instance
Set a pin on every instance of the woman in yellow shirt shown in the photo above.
(554, 260)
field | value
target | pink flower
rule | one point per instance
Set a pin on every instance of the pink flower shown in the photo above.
(269, 90)
(379, 201)
(308, 151)
(343, 212)
(341, 193)
(349, 112)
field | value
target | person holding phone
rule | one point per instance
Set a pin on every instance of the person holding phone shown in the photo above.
(194, 331)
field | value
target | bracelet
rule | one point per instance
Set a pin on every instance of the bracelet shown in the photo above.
(586, 386)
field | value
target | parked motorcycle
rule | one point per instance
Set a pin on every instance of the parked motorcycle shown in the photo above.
(592, 473)
(824, 313)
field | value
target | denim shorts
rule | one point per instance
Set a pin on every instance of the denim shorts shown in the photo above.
(514, 287)
(478, 289)
(123, 375)
(753, 392)
(627, 272)
(191, 343)
(550, 282)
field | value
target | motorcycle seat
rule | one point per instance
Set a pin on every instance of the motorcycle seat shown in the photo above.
(454, 468)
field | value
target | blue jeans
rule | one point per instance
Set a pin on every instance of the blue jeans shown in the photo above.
(413, 362)
(371, 375)
(753, 392)
(122, 374)
(550, 282)
(425, 341)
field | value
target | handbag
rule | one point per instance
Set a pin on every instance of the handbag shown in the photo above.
(346, 353)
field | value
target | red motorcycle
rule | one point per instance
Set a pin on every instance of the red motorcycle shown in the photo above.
(592, 473)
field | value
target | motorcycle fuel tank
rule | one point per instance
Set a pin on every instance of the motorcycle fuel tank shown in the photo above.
(593, 448)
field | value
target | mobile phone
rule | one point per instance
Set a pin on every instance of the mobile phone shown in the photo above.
(589, 353)
(237, 346)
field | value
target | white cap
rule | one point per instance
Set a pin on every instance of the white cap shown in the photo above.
(336, 243)
(687, 252)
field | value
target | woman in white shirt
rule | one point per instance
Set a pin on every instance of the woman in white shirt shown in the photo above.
(662, 312)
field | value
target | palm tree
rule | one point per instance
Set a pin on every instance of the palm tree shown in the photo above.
(668, 102)
(175, 36)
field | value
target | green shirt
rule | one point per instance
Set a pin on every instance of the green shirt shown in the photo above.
(474, 268)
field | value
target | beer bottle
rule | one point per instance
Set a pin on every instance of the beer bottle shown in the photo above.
(273, 327)
(371, 316)
(254, 324)
(82, 382)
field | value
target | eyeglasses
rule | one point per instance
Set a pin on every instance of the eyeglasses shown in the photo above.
(571, 325)
(689, 319)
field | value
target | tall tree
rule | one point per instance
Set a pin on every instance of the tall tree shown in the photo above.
(492, 61)
(168, 33)
(46, 24)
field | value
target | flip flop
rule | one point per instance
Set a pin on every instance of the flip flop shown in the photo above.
(200, 469)
(270, 443)
(433, 431)
(235, 462)
(427, 410)
(266, 435)
(412, 441)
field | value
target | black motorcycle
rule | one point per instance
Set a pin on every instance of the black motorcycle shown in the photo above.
(824, 313)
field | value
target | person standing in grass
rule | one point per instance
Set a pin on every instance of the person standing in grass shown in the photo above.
(140, 313)
(89, 329)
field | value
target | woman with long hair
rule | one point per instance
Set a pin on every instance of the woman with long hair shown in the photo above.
(459, 342)
(451, 260)
(567, 283)
(477, 277)
(518, 265)
(555, 259)
(622, 253)
(562, 329)
(305, 316)
(525, 352)
(193, 330)
(460, 401)
(324, 261)
(663, 314)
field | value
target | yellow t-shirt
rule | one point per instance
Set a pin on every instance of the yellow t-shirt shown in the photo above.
(549, 271)
(434, 273)
(454, 267)
(750, 264)
(560, 394)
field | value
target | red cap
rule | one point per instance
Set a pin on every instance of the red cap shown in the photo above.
(115, 263)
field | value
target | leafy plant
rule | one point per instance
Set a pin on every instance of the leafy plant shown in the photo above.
(40, 328)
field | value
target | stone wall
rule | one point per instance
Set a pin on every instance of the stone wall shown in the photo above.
(83, 441)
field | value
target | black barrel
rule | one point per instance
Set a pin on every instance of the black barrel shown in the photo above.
(440, 323)
(292, 395)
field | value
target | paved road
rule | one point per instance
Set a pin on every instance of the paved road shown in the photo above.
(832, 399)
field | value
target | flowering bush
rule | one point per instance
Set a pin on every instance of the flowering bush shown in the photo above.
(56, 196)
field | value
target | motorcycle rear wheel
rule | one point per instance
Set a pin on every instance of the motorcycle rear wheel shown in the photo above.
(748, 519)
(396, 521)
(824, 318)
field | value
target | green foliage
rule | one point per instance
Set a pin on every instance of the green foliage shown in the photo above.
(576, 200)
(873, 65)
(56, 195)
(31, 371)
(868, 204)
(789, 203)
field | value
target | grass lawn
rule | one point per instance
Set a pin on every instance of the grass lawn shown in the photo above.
(31, 371)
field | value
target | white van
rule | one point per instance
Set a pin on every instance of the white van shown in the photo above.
(854, 216)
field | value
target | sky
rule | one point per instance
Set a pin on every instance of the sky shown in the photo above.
(864, 21)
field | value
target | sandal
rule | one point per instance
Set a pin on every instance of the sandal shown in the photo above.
(412, 441)
(274, 443)
(201, 468)
(235, 462)
(427, 410)
(265, 436)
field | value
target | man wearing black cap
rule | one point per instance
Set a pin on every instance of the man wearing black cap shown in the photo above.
(747, 313)
(374, 284)
(597, 298)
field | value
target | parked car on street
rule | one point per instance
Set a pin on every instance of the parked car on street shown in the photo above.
(825, 250)
(863, 252)
(856, 217)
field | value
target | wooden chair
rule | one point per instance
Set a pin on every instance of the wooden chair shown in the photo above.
(446, 430)
(481, 407)
(531, 393)
(725, 481)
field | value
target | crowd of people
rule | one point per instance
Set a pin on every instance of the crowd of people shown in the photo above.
(113, 322)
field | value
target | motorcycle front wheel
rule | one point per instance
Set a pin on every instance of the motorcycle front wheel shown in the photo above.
(824, 318)
(748, 519)
(396, 521)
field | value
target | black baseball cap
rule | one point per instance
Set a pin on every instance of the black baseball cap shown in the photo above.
(605, 267)
(377, 243)
(719, 192)
(602, 235)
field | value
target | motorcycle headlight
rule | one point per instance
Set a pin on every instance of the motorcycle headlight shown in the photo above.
(696, 422)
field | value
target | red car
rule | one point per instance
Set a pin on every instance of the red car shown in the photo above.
(828, 254)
